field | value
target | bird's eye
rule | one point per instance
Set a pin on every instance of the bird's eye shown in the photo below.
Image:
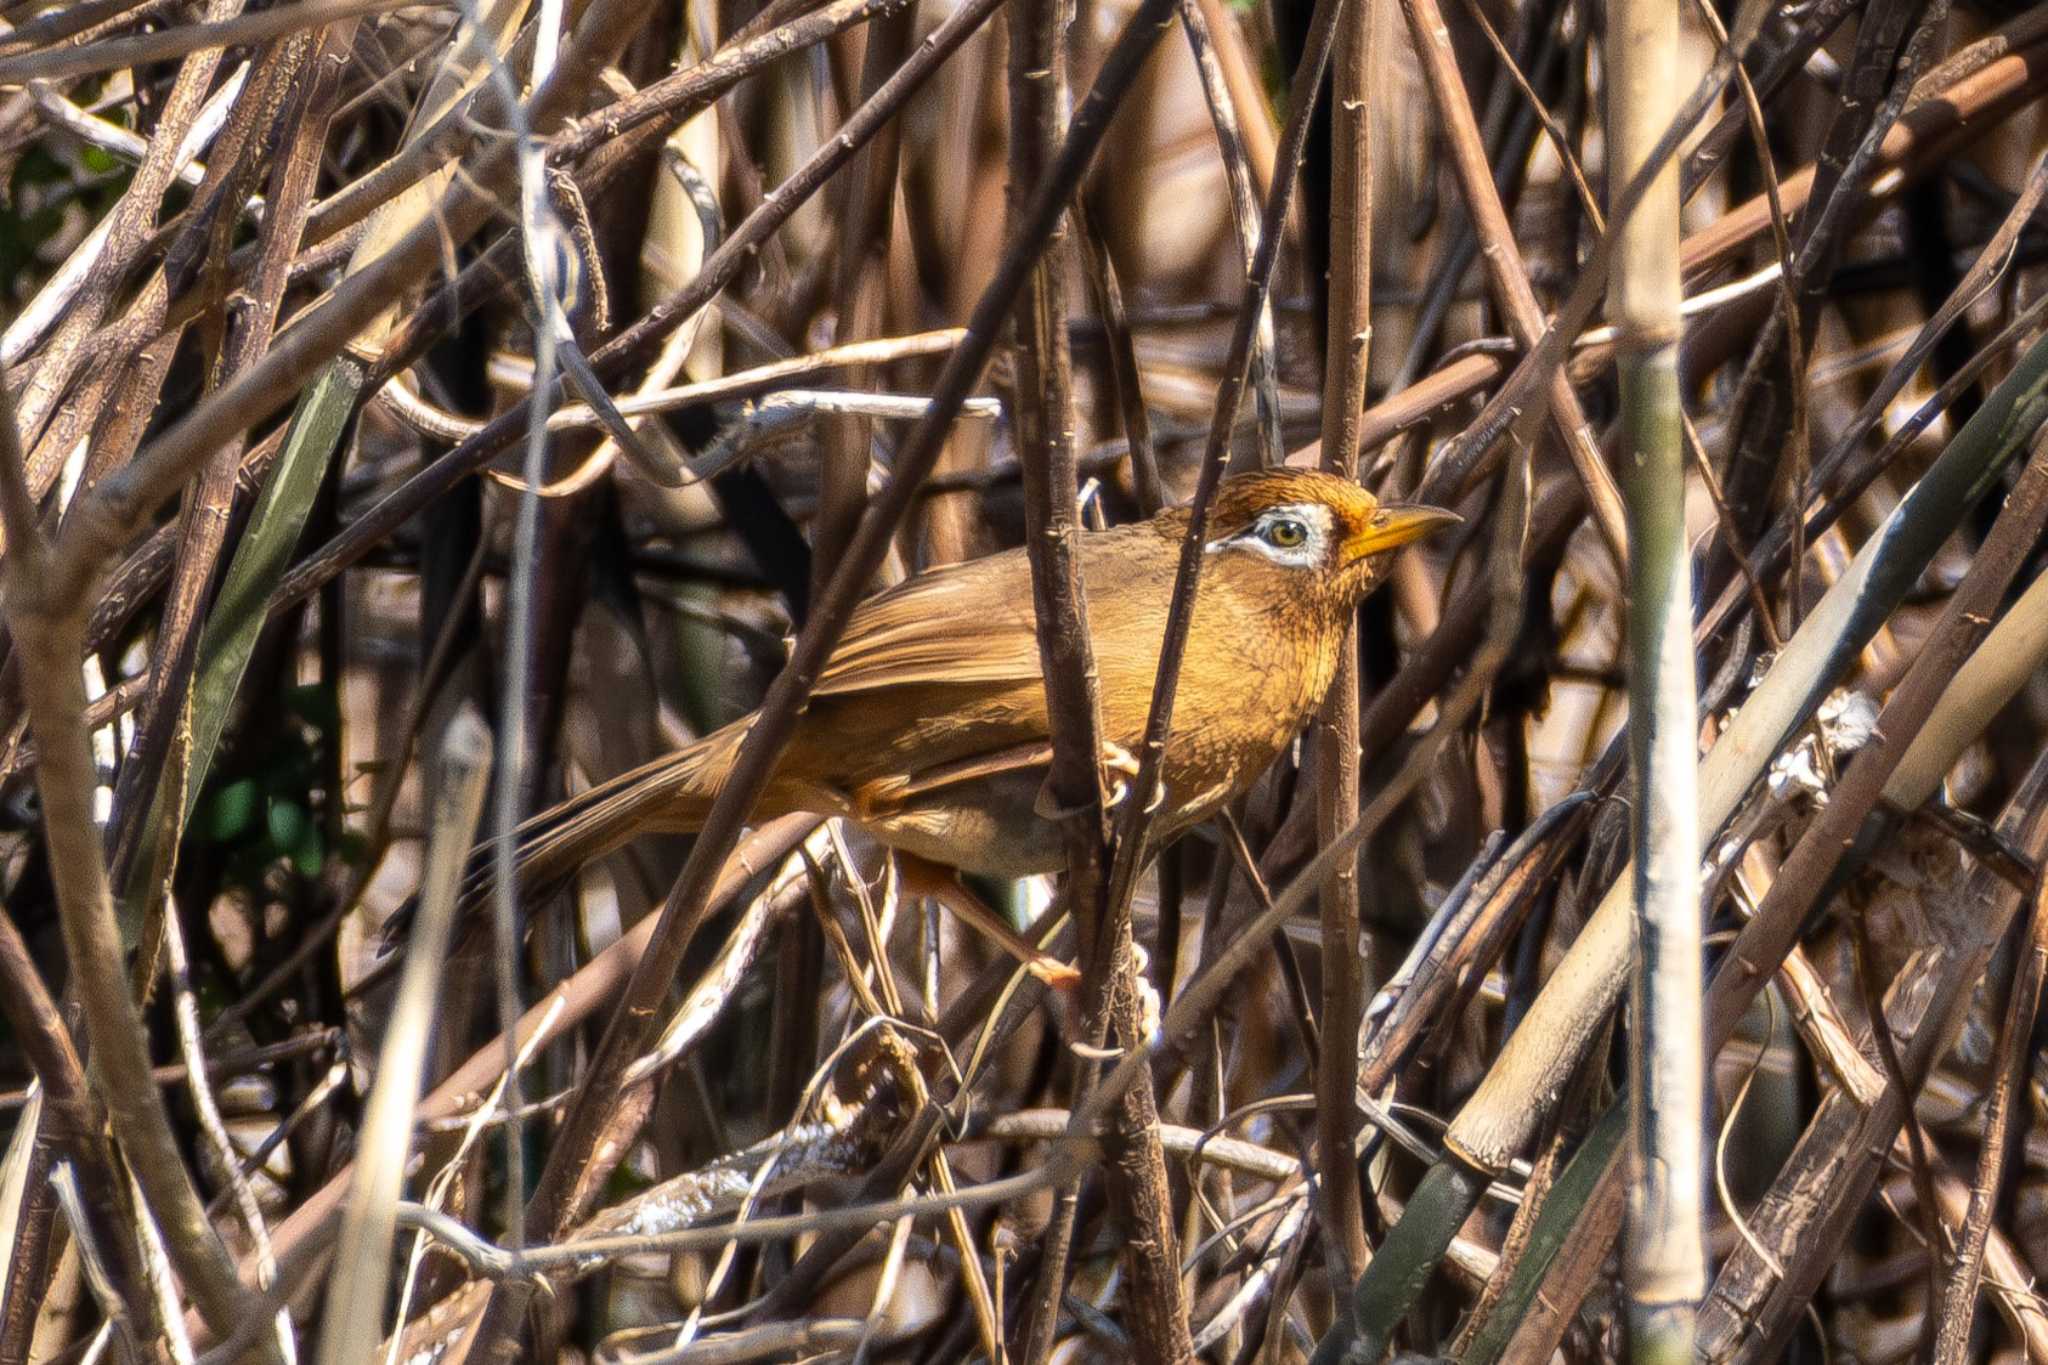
(1285, 533)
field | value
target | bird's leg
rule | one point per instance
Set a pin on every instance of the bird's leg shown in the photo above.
(942, 884)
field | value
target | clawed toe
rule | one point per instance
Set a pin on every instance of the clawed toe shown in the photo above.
(1117, 759)
(1116, 756)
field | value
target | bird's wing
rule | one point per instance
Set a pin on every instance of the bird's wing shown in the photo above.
(963, 624)
(888, 794)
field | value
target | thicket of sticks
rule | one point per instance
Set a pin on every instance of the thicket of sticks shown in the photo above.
(416, 412)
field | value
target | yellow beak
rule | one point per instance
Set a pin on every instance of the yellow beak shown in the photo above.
(1393, 527)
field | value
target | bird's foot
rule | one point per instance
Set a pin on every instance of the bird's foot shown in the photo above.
(1117, 759)
(1116, 765)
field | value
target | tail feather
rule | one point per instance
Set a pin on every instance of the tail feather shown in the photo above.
(671, 795)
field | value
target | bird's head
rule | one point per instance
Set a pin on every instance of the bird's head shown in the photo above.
(1336, 536)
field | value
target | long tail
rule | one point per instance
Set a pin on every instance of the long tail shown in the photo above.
(670, 795)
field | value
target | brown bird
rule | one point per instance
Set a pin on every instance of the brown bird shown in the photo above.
(928, 725)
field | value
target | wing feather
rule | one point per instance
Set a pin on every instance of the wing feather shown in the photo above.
(961, 624)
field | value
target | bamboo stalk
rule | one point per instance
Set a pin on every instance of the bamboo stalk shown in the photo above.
(1853, 822)
(1503, 1112)
(1666, 1263)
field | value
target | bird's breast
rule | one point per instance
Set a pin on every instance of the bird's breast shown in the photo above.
(1259, 658)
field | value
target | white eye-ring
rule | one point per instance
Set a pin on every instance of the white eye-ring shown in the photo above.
(1295, 534)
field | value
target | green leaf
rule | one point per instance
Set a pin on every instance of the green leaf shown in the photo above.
(231, 811)
(261, 558)
(309, 855)
(288, 825)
